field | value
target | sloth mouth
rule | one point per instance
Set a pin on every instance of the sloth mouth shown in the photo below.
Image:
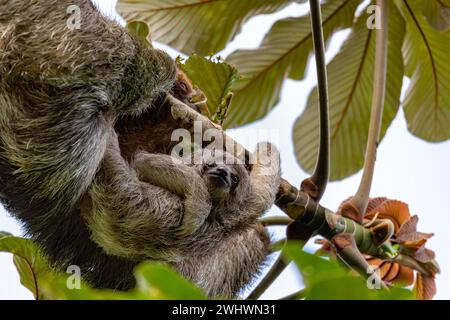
(218, 179)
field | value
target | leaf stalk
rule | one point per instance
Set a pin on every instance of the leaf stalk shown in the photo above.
(361, 198)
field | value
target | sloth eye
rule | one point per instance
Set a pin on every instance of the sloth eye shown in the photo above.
(234, 179)
(210, 164)
(183, 87)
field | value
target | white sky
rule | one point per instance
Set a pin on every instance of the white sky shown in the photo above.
(407, 169)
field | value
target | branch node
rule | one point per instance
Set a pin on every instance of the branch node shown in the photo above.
(349, 210)
(310, 188)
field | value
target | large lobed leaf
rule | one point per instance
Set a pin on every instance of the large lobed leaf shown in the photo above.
(426, 53)
(437, 13)
(196, 26)
(350, 76)
(283, 53)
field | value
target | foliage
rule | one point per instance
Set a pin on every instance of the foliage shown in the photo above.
(350, 91)
(155, 281)
(177, 22)
(329, 280)
(283, 53)
(215, 79)
(426, 52)
(29, 261)
(324, 279)
(141, 30)
(419, 36)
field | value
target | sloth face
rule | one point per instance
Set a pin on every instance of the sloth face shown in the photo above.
(225, 181)
(221, 176)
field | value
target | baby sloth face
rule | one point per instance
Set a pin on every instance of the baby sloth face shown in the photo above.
(222, 179)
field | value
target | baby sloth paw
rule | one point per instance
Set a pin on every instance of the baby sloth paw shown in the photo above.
(192, 221)
(196, 210)
(266, 155)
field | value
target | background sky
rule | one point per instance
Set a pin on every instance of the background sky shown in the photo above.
(407, 169)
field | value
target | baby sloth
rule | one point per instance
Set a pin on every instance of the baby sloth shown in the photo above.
(208, 230)
(225, 246)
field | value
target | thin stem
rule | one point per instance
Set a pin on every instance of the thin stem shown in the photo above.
(361, 198)
(301, 294)
(318, 181)
(275, 221)
(276, 269)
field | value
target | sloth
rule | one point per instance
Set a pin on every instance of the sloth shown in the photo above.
(83, 120)
(208, 229)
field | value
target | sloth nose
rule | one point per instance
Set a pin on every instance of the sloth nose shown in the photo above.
(222, 171)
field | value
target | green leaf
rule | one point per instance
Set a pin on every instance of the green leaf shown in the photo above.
(426, 52)
(28, 259)
(283, 53)
(141, 30)
(325, 279)
(5, 234)
(40, 279)
(55, 288)
(437, 13)
(155, 281)
(160, 282)
(350, 76)
(196, 26)
(214, 78)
